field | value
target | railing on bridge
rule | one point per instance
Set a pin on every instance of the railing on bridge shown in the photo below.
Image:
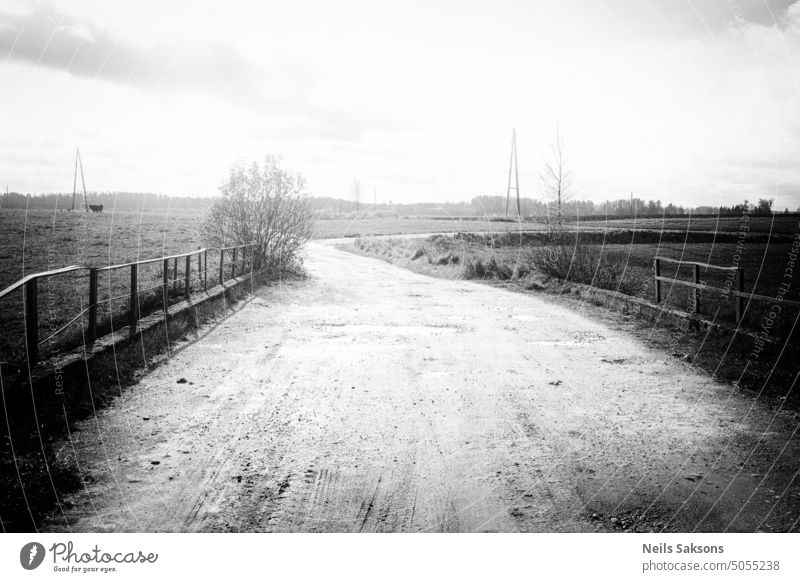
(735, 291)
(241, 260)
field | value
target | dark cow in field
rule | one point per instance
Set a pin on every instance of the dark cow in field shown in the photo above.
(96, 207)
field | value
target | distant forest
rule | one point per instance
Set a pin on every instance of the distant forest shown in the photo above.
(495, 206)
(138, 201)
(327, 207)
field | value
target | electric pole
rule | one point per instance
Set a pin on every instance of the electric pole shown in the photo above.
(513, 169)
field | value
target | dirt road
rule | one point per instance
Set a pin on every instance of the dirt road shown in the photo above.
(369, 398)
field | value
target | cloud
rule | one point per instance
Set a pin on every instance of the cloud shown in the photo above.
(698, 18)
(60, 42)
(274, 85)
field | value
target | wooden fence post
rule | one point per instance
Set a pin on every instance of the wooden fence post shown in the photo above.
(739, 299)
(91, 331)
(165, 285)
(133, 316)
(205, 271)
(175, 276)
(221, 266)
(233, 263)
(252, 254)
(657, 269)
(32, 320)
(696, 306)
(186, 275)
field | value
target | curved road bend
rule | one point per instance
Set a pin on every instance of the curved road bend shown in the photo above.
(370, 398)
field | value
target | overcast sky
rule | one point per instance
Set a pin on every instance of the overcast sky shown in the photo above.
(693, 102)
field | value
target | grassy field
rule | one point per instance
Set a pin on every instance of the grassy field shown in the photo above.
(785, 224)
(779, 226)
(41, 240)
(406, 226)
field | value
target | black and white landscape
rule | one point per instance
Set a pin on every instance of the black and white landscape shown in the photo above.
(400, 267)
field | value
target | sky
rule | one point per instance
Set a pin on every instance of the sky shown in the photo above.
(691, 102)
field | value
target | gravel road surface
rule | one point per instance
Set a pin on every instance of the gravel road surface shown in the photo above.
(369, 398)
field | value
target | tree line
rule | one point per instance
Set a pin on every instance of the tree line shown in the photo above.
(133, 201)
(329, 207)
(495, 206)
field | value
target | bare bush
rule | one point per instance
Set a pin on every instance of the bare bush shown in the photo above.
(261, 204)
(579, 263)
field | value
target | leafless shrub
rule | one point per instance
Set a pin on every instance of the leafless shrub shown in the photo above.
(263, 204)
(579, 263)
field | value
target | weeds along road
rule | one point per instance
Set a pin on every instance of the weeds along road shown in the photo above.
(369, 398)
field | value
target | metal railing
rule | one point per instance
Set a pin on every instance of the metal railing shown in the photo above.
(736, 291)
(242, 259)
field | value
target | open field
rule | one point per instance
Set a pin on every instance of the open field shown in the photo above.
(777, 224)
(781, 225)
(401, 226)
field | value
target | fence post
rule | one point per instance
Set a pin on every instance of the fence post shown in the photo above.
(165, 285)
(32, 320)
(205, 271)
(91, 331)
(657, 269)
(133, 316)
(233, 263)
(252, 254)
(696, 306)
(739, 299)
(186, 280)
(221, 266)
(175, 276)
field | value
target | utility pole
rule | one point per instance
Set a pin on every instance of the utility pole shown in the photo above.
(513, 167)
(79, 164)
(83, 182)
(75, 179)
